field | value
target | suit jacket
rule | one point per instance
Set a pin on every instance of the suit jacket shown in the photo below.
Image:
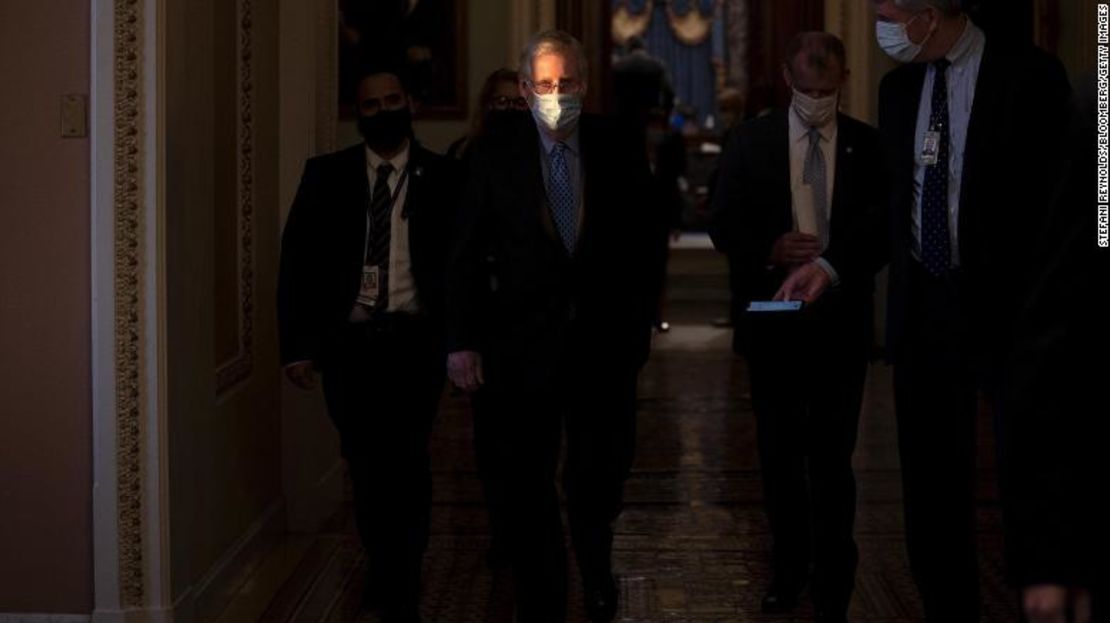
(324, 241)
(752, 208)
(1011, 166)
(541, 297)
(1052, 451)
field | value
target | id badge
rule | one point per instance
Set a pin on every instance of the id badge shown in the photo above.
(930, 150)
(368, 291)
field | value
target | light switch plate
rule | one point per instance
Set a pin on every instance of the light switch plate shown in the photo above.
(75, 116)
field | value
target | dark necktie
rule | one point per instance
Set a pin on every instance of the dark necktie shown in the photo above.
(562, 197)
(936, 245)
(377, 253)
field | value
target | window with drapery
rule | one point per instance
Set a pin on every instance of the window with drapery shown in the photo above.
(688, 36)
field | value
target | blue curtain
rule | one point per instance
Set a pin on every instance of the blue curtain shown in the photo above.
(690, 67)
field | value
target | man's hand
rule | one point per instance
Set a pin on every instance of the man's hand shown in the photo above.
(806, 283)
(795, 249)
(302, 374)
(464, 368)
(1051, 603)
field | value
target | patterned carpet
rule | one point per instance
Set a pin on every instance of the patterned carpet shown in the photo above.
(692, 544)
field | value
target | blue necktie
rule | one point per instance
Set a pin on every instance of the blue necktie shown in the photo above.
(561, 194)
(936, 246)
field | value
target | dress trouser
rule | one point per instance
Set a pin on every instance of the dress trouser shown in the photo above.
(936, 398)
(382, 382)
(807, 372)
(596, 405)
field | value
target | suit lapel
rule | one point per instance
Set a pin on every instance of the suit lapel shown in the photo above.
(416, 186)
(414, 206)
(904, 127)
(989, 94)
(531, 178)
(589, 164)
(779, 166)
(355, 200)
(845, 152)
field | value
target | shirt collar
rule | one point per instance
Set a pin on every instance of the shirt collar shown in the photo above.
(399, 162)
(968, 46)
(800, 131)
(549, 143)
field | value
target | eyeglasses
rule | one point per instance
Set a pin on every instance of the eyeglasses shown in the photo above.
(504, 102)
(547, 87)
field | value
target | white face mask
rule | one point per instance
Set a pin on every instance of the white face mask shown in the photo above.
(557, 111)
(815, 111)
(895, 41)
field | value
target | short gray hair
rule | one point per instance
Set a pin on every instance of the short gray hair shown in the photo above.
(947, 7)
(817, 50)
(553, 42)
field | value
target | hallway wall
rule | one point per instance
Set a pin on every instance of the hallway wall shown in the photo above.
(224, 439)
(45, 424)
(312, 471)
(491, 45)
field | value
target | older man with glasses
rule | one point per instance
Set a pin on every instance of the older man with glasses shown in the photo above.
(560, 203)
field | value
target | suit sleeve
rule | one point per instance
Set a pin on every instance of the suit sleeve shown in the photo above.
(653, 230)
(859, 252)
(730, 228)
(466, 278)
(299, 325)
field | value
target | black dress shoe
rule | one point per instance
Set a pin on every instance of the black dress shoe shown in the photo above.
(601, 601)
(372, 598)
(497, 556)
(402, 617)
(782, 597)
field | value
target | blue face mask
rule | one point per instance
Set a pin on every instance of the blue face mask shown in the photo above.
(895, 41)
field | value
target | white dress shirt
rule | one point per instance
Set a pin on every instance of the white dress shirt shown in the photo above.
(801, 194)
(963, 75)
(402, 288)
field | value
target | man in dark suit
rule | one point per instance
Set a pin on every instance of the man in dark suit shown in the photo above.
(972, 129)
(640, 83)
(797, 192)
(361, 300)
(1051, 454)
(560, 204)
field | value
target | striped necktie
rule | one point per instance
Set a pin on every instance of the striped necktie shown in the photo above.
(377, 253)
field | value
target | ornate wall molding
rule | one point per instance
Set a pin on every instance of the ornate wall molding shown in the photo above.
(240, 367)
(129, 265)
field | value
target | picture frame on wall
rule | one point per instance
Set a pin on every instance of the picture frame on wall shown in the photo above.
(430, 36)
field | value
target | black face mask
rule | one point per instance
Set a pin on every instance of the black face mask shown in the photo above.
(385, 130)
(495, 118)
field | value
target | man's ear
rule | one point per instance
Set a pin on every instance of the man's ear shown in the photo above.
(786, 76)
(414, 104)
(935, 19)
(525, 92)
